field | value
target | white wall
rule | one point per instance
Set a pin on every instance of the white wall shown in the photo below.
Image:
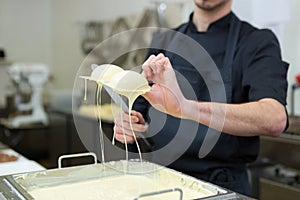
(291, 49)
(25, 30)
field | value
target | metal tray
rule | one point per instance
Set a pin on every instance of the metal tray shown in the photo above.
(146, 181)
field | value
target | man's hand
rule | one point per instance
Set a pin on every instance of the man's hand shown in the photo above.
(122, 129)
(165, 94)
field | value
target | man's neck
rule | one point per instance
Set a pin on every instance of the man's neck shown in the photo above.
(202, 19)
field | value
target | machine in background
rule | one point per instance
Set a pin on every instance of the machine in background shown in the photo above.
(35, 76)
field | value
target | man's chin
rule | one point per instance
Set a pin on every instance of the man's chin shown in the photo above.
(210, 6)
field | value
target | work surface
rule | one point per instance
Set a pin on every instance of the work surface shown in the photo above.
(19, 165)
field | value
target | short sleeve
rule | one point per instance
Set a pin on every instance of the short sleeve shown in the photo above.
(265, 76)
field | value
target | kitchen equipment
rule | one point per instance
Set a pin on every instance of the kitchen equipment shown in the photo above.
(93, 35)
(298, 80)
(2, 54)
(100, 181)
(277, 191)
(279, 182)
(36, 75)
(295, 86)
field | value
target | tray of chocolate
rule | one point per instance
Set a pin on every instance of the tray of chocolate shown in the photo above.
(132, 180)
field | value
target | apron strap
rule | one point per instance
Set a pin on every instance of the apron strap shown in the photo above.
(212, 136)
(232, 40)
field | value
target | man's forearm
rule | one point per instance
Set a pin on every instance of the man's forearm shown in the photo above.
(264, 117)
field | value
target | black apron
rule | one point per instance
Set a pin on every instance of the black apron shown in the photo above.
(200, 83)
(229, 175)
(231, 43)
(234, 179)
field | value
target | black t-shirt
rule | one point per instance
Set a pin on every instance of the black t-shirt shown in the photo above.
(257, 72)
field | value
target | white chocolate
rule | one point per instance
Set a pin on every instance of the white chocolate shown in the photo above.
(125, 187)
(103, 73)
(121, 81)
(128, 81)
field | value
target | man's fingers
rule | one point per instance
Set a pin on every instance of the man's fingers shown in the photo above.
(129, 125)
(126, 128)
(146, 67)
(137, 116)
(122, 138)
(120, 133)
(155, 63)
(125, 118)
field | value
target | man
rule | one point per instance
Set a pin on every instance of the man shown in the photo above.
(249, 61)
